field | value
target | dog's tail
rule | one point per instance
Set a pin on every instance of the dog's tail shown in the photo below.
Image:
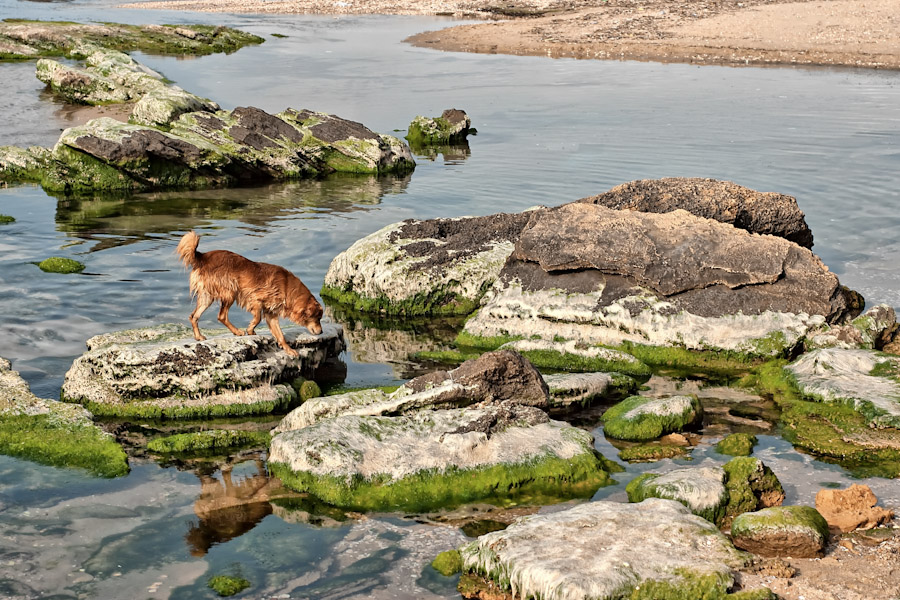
(187, 250)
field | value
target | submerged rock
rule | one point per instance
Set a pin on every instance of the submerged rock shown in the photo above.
(589, 273)
(737, 444)
(441, 266)
(640, 418)
(438, 458)
(583, 389)
(495, 377)
(162, 372)
(851, 509)
(452, 126)
(52, 432)
(607, 550)
(724, 201)
(864, 380)
(795, 531)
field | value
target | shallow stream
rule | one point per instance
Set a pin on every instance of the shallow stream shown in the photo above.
(549, 131)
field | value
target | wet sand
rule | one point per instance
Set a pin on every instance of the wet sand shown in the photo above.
(751, 32)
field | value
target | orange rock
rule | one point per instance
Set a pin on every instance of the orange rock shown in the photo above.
(853, 508)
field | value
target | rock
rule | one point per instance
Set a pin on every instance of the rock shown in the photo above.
(640, 418)
(440, 266)
(737, 444)
(701, 489)
(202, 149)
(795, 531)
(572, 356)
(717, 494)
(607, 550)
(652, 452)
(494, 377)
(850, 509)
(22, 164)
(52, 432)
(60, 264)
(864, 380)
(584, 389)
(872, 330)
(438, 458)
(600, 276)
(162, 106)
(27, 39)
(757, 212)
(162, 372)
(452, 126)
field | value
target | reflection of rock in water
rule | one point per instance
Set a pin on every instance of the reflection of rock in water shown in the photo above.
(120, 219)
(228, 509)
(393, 341)
(453, 153)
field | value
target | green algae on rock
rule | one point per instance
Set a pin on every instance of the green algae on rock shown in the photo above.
(23, 39)
(751, 485)
(441, 458)
(452, 126)
(571, 356)
(53, 433)
(639, 418)
(162, 372)
(60, 264)
(608, 550)
(205, 442)
(652, 452)
(447, 563)
(796, 531)
(227, 585)
(6, 219)
(737, 444)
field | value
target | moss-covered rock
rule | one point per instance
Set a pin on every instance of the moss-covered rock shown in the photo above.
(53, 433)
(60, 264)
(227, 585)
(751, 486)
(737, 444)
(162, 372)
(795, 531)
(209, 441)
(607, 550)
(33, 39)
(6, 219)
(639, 418)
(447, 563)
(439, 458)
(575, 357)
(451, 127)
(652, 452)
(870, 331)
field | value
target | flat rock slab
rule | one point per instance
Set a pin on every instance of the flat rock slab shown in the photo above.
(437, 458)
(795, 531)
(583, 389)
(164, 368)
(606, 550)
(866, 380)
(757, 212)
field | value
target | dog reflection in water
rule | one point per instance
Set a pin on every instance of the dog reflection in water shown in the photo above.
(266, 291)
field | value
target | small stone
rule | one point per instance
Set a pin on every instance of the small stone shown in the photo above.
(794, 531)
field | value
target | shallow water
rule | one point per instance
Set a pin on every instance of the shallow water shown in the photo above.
(550, 131)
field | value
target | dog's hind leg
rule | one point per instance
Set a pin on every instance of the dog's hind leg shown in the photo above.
(275, 328)
(203, 302)
(257, 312)
(223, 318)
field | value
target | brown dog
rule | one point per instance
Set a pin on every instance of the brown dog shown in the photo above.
(267, 291)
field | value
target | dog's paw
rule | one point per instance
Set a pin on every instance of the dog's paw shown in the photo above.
(200, 338)
(239, 332)
(292, 353)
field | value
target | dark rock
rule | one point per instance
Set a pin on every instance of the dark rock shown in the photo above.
(757, 212)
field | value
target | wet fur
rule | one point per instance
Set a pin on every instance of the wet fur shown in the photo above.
(266, 291)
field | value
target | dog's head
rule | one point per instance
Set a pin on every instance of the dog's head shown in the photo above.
(307, 312)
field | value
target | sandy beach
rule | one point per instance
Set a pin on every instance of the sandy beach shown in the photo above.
(849, 33)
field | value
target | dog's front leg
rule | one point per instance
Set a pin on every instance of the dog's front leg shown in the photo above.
(275, 328)
(257, 317)
(223, 318)
(203, 302)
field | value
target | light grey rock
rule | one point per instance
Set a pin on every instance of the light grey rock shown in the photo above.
(16, 399)
(604, 550)
(701, 489)
(643, 418)
(846, 377)
(162, 106)
(583, 389)
(871, 330)
(595, 275)
(164, 368)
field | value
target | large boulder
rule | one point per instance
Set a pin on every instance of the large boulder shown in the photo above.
(438, 458)
(641, 418)
(494, 377)
(607, 550)
(204, 149)
(440, 266)
(596, 275)
(757, 212)
(53, 432)
(864, 380)
(162, 372)
(795, 531)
